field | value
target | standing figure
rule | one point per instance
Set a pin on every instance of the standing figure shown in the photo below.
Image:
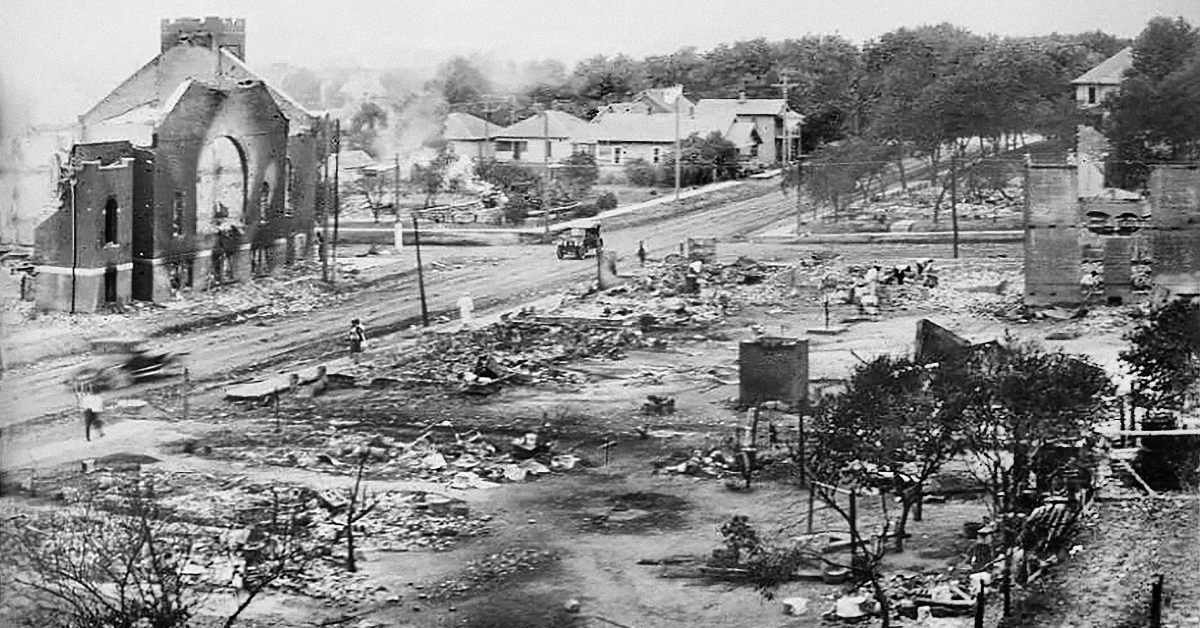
(93, 406)
(641, 254)
(357, 339)
(466, 308)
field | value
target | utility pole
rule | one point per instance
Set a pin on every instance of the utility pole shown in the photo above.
(396, 189)
(337, 202)
(545, 169)
(678, 144)
(420, 272)
(323, 250)
(488, 108)
(784, 85)
(954, 197)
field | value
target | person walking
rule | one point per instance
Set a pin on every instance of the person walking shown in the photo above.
(641, 253)
(93, 407)
(357, 338)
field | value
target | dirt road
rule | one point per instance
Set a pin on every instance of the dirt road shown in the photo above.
(516, 274)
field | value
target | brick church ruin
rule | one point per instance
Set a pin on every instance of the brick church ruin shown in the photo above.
(193, 172)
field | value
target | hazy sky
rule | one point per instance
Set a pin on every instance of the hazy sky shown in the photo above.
(60, 56)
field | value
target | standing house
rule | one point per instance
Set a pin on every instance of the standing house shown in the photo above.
(543, 138)
(469, 136)
(223, 184)
(774, 122)
(1099, 82)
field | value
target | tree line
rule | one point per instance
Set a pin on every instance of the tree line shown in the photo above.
(919, 86)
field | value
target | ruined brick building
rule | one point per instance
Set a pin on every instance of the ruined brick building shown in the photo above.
(1064, 229)
(193, 172)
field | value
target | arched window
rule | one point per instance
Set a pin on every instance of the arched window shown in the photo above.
(220, 187)
(289, 199)
(110, 221)
(264, 202)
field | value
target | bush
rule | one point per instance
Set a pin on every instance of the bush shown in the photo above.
(580, 173)
(641, 172)
(586, 210)
(607, 201)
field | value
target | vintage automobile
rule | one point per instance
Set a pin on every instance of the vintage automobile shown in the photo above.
(123, 362)
(579, 241)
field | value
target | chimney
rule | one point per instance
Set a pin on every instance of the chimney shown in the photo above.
(742, 96)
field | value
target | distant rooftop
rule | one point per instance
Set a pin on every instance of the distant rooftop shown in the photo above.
(1110, 72)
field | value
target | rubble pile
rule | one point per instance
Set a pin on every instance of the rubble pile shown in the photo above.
(522, 349)
(470, 461)
(222, 518)
(677, 294)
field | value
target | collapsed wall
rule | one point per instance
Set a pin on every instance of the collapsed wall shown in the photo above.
(1052, 248)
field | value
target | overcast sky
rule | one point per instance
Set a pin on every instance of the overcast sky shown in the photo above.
(60, 56)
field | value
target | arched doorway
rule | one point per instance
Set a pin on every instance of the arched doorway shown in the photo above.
(221, 201)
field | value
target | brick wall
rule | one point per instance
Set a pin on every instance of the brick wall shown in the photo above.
(1052, 246)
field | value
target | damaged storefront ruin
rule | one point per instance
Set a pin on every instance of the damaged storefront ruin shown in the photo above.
(1083, 248)
(191, 173)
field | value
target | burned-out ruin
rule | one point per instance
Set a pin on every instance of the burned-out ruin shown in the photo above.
(193, 172)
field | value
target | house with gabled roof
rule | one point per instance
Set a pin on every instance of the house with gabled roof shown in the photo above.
(1093, 86)
(541, 138)
(469, 135)
(616, 138)
(774, 121)
(190, 173)
(652, 100)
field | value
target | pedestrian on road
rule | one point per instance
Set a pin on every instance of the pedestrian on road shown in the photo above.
(466, 308)
(357, 338)
(641, 254)
(93, 406)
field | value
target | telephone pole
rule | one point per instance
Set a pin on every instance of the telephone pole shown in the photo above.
(337, 201)
(784, 85)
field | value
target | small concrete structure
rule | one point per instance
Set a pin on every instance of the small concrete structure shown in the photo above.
(773, 369)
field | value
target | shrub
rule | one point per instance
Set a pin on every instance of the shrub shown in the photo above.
(641, 172)
(607, 201)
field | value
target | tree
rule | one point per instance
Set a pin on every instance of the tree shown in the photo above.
(358, 505)
(461, 81)
(364, 128)
(431, 178)
(704, 159)
(837, 171)
(1152, 117)
(521, 184)
(1019, 401)
(579, 174)
(1164, 357)
(640, 172)
(124, 561)
(601, 80)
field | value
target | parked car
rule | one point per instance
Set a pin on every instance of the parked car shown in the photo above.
(579, 241)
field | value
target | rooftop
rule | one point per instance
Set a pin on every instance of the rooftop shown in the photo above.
(1109, 72)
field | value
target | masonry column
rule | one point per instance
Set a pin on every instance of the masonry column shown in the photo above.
(1053, 257)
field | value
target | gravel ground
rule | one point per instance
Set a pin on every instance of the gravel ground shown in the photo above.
(1107, 583)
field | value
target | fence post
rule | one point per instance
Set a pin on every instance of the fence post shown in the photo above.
(980, 605)
(812, 496)
(186, 385)
(1156, 602)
